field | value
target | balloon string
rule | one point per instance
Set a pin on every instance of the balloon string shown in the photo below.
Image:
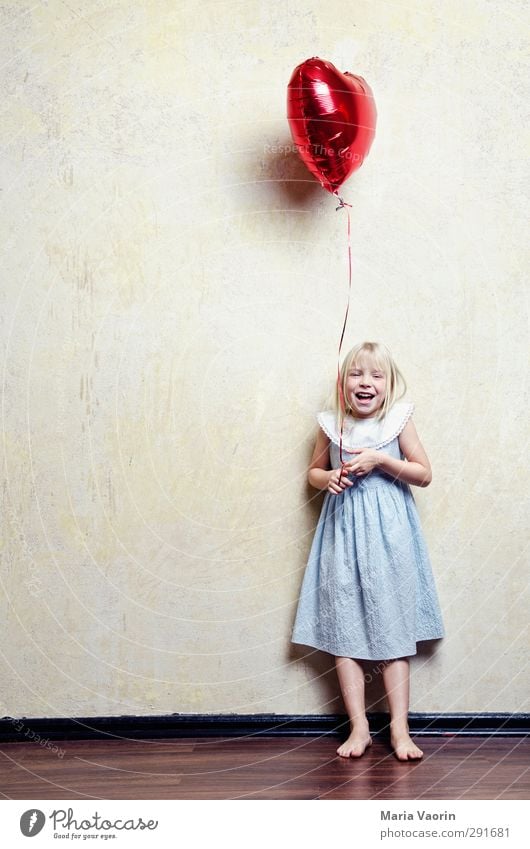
(344, 205)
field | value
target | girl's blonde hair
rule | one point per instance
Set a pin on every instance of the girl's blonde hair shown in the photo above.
(379, 356)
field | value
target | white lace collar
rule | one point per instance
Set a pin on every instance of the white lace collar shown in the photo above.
(366, 433)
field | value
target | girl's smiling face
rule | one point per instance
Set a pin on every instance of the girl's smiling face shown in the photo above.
(365, 388)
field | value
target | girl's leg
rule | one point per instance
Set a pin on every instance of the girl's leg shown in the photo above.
(397, 686)
(351, 679)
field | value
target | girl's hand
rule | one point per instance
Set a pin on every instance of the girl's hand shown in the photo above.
(333, 485)
(367, 460)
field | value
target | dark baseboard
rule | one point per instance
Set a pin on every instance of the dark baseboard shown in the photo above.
(249, 725)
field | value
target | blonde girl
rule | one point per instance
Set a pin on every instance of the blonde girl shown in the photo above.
(368, 591)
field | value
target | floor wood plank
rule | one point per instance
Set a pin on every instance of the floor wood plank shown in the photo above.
(264, 768)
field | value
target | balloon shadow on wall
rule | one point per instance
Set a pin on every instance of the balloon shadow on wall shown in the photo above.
(294, 186)
(281, 164)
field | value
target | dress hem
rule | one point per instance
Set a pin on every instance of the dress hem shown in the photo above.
(357, 656)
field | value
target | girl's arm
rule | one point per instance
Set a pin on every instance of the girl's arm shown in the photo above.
(417, 470)
(319, 468)
(320, 475)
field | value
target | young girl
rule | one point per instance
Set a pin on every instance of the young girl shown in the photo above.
(368, 592)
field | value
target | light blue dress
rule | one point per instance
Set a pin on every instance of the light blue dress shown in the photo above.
(368, 590)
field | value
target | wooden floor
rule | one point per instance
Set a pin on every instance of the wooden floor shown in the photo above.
(264, 768)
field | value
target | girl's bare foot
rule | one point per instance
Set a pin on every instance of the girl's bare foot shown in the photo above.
(355, 745)
(404, 748)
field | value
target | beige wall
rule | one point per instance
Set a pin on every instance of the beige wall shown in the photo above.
(174, 293)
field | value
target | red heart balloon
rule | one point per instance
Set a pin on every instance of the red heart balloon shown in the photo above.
(332, 117)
